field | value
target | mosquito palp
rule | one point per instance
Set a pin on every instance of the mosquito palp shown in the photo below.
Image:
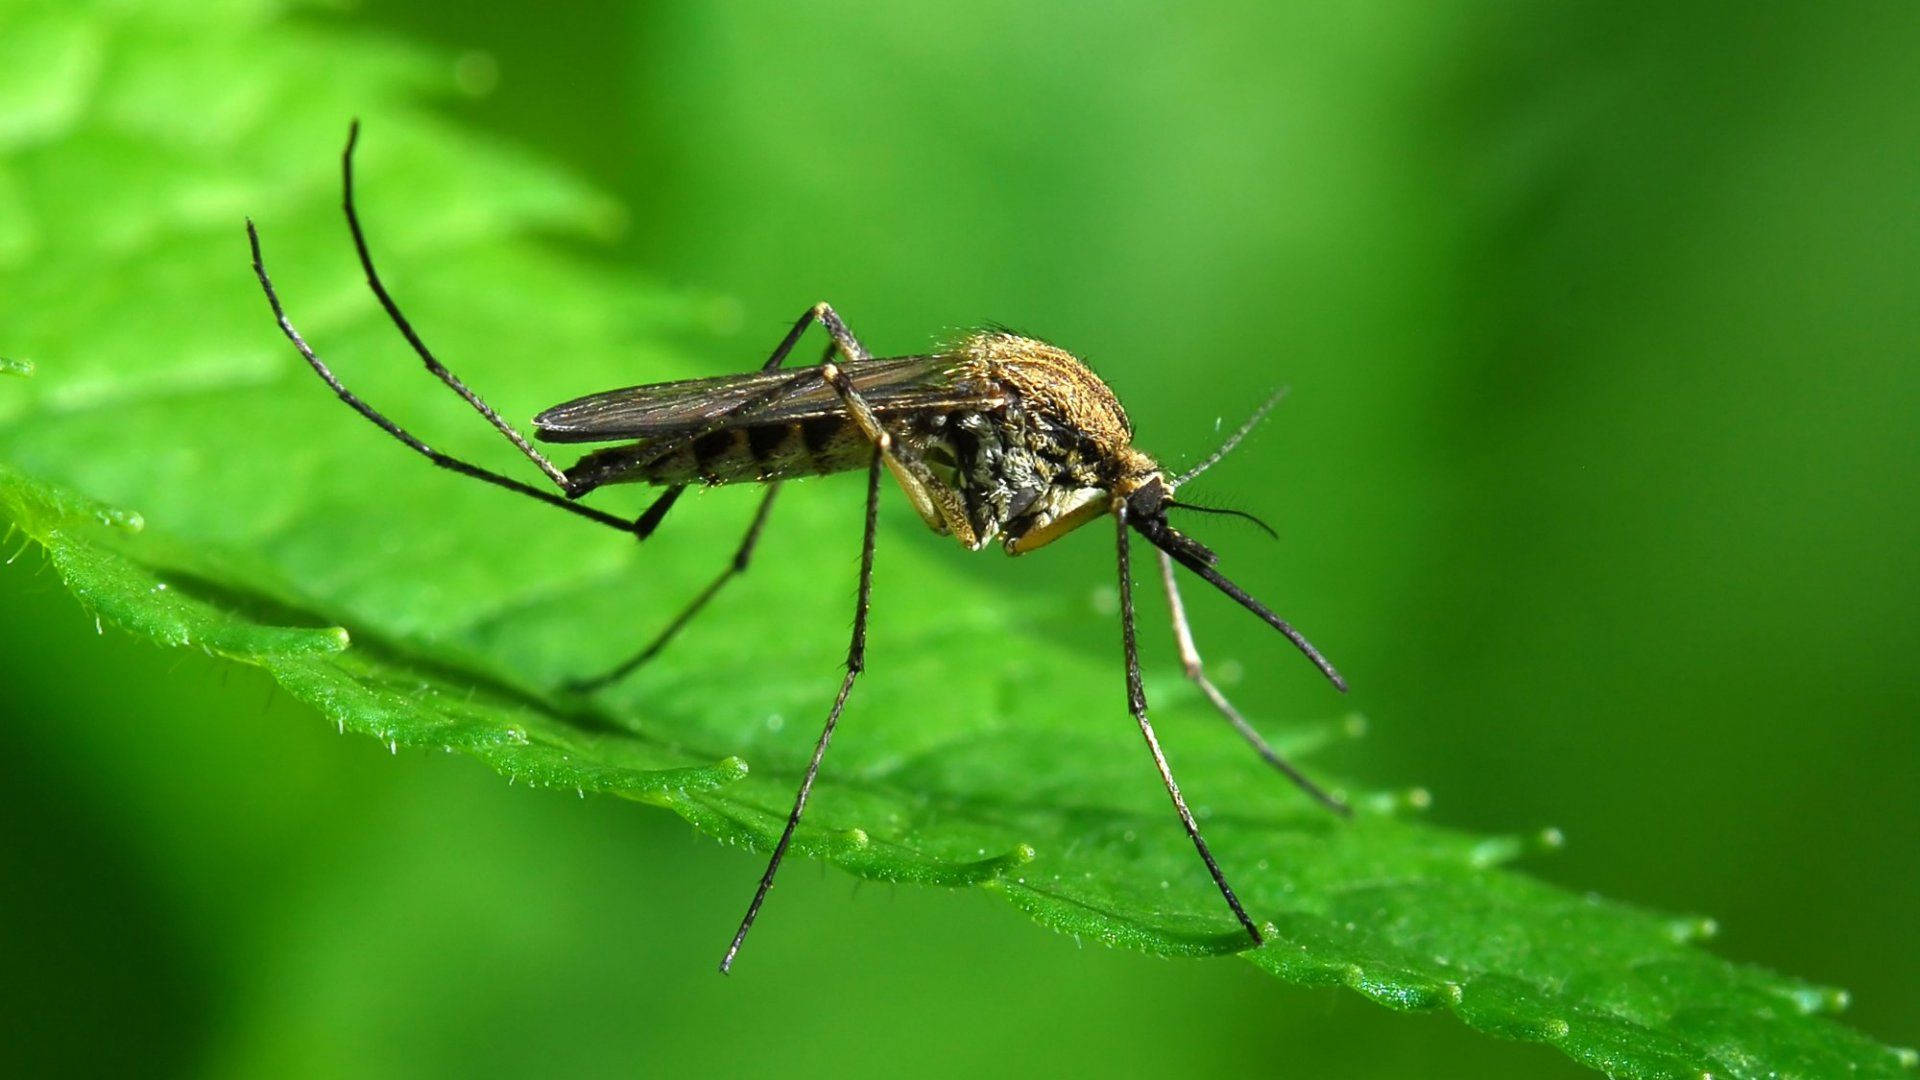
(994, 437)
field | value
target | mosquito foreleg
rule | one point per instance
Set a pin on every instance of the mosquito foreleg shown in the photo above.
(1137, 704)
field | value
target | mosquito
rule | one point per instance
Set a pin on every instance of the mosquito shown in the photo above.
(997, 436)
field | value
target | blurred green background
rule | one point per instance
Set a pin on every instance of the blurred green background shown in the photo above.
(1598, 479)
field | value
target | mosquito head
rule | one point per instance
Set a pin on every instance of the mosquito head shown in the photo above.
(1147, 507)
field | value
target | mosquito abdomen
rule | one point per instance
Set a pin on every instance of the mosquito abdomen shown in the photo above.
(743, 453)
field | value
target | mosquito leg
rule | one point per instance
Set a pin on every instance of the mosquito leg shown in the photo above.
(738, 565)
(1190, 659)
(642, 526)
(935, 503)
(437, 369)
(443, 460)
(856, 662)
(570, 491)
(843, 338)
(1137, 704)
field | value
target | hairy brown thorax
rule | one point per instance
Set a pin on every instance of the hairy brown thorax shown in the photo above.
(1051, 451)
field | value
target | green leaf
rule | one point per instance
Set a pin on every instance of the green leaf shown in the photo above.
(233, 506)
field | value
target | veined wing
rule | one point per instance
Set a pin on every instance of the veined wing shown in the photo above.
(786, 395)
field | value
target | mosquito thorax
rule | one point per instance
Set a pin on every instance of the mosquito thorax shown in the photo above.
(1046, 451)
(1050, 382)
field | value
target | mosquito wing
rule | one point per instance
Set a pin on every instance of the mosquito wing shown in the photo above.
(769, 397)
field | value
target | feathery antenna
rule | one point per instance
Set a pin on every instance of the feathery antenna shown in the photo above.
(1233, 440)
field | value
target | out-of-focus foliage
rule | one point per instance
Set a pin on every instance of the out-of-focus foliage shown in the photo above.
(986, 722)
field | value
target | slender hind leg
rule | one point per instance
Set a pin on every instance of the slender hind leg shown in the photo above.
(434, 366)
(568, 490)
(640, 527)
(445, 461)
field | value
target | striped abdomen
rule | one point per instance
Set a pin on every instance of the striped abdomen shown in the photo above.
(753, 453)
